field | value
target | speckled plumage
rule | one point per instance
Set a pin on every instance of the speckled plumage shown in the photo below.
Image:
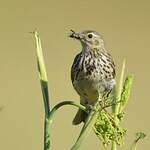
(93, 70)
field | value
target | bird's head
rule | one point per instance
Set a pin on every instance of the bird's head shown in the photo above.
(88, 38)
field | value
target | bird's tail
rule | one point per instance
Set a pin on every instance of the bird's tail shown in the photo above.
(79, 117)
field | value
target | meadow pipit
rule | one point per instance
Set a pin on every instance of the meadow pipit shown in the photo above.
(93, 70)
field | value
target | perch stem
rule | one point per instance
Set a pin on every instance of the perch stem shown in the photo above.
(117, 99)
(57, 106)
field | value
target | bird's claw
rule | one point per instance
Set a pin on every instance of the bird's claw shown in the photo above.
(89, 108)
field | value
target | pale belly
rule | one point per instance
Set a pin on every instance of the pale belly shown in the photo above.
(89, 89)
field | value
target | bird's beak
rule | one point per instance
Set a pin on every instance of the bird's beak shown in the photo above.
(76, 35)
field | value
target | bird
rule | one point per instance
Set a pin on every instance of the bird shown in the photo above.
(92, 72)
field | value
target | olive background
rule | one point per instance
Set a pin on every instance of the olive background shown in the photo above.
(125, 26)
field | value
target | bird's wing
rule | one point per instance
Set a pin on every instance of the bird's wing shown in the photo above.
(75, 67)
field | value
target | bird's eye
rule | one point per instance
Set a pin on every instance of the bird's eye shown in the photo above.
(90, 36)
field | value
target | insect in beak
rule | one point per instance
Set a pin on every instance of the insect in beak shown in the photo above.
(75, 35)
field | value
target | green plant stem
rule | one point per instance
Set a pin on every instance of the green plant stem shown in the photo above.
(139, 136)
(47, 140)
(44, 87)
(86, 131)
(88, 126)
(126, 92)
(51, 115)
(57, 106)
(42, 73)
(133, 147)
(114, 146)
(118, 92)
(117, 99)
(49, 120)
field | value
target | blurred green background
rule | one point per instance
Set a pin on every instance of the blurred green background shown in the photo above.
(125, 26)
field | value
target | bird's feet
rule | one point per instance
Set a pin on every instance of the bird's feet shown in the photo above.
(89, 108)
